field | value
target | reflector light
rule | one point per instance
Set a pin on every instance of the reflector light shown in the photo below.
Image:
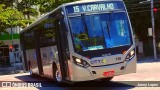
(124, 52)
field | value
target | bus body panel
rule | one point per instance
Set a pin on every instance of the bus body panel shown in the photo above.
(49, 56)
(124, 67)
(131, 66)
(88, 75)
(32, 60)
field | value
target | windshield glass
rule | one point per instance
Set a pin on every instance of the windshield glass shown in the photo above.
(100, 31)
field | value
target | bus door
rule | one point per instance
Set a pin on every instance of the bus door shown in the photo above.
(62, 44)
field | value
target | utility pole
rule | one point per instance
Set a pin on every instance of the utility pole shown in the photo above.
(153, 29)
(12, 39)
(13, 58)
(153, 26)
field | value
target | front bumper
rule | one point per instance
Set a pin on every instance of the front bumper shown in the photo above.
(85, 74)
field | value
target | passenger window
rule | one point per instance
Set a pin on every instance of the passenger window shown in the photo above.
(47, 33)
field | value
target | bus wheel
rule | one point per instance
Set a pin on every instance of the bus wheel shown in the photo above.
(107, 79)
(57, 75)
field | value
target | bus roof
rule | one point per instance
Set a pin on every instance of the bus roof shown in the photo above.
(63, 5)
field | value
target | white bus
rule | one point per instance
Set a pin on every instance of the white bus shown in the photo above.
(81, 41)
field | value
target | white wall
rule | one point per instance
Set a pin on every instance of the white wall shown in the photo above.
(15, 30)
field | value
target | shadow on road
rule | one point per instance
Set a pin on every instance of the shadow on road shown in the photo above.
(49, 84)
(148, 60)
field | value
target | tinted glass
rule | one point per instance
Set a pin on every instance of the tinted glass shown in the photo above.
(29, 40)
(46, 31)
(100, 31)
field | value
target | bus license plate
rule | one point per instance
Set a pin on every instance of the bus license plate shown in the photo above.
(109, 73)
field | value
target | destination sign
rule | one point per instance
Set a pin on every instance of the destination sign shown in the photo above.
(90, 7)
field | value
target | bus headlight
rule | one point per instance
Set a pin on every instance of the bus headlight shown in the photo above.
(130, 55)
(80, 62)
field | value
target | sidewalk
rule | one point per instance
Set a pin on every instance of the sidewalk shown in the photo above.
(10, 70)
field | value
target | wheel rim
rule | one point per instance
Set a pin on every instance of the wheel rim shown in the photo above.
(58, 76)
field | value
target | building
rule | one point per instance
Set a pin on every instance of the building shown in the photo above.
(13, 43)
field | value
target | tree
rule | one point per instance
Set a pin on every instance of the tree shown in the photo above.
(49, 5)
(7, 3)
(25, 7)
(10, 18)
(43, 6)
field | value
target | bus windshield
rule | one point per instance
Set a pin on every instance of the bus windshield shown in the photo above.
(100, 31)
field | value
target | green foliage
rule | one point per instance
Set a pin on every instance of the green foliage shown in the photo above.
(10, 17)
(43, 5)
(7, 3)
(25, 7)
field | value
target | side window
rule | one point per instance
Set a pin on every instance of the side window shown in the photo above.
(29, 41)
(22, 41)
(46, 32)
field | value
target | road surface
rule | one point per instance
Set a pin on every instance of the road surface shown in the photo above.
(147, 71)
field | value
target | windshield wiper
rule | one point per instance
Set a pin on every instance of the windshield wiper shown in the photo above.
(84, 24)
(108, 23)
(108, 28)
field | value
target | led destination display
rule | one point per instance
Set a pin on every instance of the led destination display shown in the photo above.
(91, 7)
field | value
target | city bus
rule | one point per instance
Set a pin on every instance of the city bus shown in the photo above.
(81, 41)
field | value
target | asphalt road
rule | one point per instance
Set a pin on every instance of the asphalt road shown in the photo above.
(147, 71)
